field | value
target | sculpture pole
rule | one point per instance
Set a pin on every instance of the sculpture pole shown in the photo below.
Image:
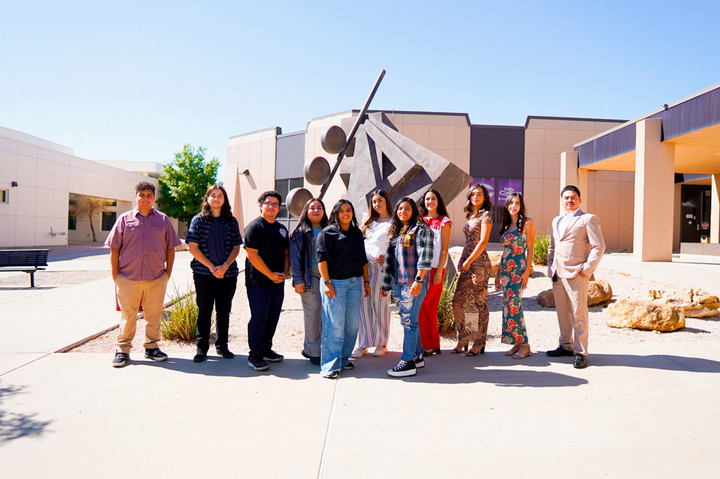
(353, 130)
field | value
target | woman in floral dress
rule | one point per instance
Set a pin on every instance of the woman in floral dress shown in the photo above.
(518, 237)
(474, 268)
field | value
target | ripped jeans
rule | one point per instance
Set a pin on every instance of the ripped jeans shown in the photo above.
(409, 310)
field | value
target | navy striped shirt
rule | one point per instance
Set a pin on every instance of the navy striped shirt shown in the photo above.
(199, 233)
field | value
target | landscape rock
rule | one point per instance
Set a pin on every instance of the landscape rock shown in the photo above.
(696, 303)
(647, 315)
(598, 292)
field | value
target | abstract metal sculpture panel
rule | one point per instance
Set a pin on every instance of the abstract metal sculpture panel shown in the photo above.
(375, 155)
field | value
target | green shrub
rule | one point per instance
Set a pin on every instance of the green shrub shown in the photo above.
(180, 321)
(446, 319)
(540, 251)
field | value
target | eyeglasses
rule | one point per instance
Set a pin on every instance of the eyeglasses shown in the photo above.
(271, 204)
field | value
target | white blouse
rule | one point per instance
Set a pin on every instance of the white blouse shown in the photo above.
(376, 240)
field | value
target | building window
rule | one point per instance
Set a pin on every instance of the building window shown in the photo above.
(499, 189)
(108, 220)
(72, 221)
(4, 196)
(283, 187)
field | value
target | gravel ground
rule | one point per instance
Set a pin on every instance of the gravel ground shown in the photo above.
(541, 323)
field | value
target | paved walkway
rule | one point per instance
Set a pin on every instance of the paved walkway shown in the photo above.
(638, 411)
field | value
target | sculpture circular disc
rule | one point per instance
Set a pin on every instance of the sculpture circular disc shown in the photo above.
(317, 171)
(333, 140)
(296, 199)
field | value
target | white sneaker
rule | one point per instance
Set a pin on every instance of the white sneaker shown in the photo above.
(380, 351)
(358, 353)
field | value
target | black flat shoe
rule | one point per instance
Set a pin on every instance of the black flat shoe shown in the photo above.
(199, 357)
(560, 351)
(580, 361)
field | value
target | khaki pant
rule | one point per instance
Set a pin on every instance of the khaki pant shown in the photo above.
(130, 295)
(571, 305)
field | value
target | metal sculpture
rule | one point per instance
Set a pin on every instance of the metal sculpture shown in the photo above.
(375, 155)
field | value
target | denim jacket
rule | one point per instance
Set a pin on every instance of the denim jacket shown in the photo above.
(301, 244)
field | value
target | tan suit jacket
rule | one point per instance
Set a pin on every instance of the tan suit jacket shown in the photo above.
(578, 248)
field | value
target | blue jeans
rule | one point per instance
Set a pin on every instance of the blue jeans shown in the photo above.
(409, 309)
(340, 317)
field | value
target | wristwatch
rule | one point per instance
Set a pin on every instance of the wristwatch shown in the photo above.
(327, 281)
(418, 279)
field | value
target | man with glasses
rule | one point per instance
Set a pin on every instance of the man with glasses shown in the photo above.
(266, 266)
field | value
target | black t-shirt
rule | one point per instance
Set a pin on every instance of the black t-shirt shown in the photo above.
(344, 251)
(271, 241)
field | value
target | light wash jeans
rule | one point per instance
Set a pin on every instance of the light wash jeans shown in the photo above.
(409, 310)
(340, 317)
(312, 313)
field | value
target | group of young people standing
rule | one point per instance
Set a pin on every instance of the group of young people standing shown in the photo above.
(346, 274)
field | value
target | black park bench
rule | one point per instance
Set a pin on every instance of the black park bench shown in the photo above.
(26, 260)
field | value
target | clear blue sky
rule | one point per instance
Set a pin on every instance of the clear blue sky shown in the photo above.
(135, 80)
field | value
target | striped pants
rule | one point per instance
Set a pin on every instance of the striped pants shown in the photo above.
(374, 327)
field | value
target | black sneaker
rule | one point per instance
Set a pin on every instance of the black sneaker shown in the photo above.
(332, 375)
(156, 355)
(403, 368)
(349, 365)
(199, 356)
(224, 352)
(273, 357)
(120, 359)
(419, 362)
(258, 363)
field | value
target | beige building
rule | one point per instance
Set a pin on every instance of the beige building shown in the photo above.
(504, 158)
(37, 178)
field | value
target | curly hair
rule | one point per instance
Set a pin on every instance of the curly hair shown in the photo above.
(335, 220)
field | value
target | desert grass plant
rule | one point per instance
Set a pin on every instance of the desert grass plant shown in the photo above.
(180, 320)
(540, 251)
(446, 319)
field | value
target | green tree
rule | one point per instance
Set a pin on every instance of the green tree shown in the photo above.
(184, 182)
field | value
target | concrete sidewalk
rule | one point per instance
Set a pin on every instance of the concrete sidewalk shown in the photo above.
(645, 410)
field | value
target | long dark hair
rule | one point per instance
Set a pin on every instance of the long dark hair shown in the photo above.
(441, 210)
(225, 210)
(374, 215)
(487, 204)
(397, 227)
(304, 224)
(507, 219)
(334, 220)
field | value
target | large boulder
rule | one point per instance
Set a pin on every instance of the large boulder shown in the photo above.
(696, 303)
(598, 292)
(647, 315)
(546, 299)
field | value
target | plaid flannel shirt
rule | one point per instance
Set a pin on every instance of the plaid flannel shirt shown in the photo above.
(407, 254)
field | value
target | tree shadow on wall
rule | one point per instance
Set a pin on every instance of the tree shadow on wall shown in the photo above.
(16, 425)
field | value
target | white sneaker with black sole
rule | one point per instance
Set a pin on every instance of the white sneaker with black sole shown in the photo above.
(402, 369)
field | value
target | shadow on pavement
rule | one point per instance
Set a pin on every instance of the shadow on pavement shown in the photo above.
(237, 367)
(16, 425)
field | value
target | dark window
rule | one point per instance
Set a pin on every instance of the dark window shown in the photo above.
(108, 220)
(72, 221)
(284, 187)
(4, 197)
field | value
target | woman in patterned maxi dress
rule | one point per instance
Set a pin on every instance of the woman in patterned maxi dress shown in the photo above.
(474, 269)
(518, 237)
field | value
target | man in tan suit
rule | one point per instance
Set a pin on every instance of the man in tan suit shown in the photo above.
(576, 246)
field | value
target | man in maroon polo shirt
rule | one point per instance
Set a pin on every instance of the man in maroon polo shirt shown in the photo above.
(143, 245)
